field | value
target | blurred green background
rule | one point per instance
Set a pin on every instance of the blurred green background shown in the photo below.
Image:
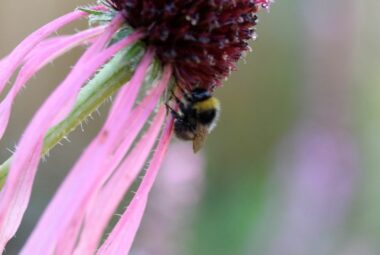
(312, 76)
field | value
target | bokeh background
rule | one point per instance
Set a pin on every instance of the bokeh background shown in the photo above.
(293, 167)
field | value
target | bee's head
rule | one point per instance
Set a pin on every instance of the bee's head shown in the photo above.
(200, 94)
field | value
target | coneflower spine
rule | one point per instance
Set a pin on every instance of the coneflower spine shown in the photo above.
(201, 39)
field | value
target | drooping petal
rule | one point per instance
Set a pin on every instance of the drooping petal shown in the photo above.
(37, 60)
(91, 61)
(58, 44)
(17, 189)
(61, 221)
(125, 136)
(173, 203)
(98, 45)
(125, 230)
(15, 58)
(104, 206)
(121, 238)
(120, 134)
(106, 203)
(2, 61)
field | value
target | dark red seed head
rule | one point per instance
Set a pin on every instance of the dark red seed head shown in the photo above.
(202, 39)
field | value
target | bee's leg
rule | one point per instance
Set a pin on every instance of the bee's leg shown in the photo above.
(175, 97)
(172, 94)
(172, 111)
(184, 93)
(180, 104)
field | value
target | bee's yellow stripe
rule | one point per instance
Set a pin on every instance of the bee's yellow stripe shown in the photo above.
(209, 104)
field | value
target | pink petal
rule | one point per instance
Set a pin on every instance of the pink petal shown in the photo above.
(178, 188)
(103, 40)
(90, 62)
(62, 219)
(16, 192)
(2, 61)
(119, 141)
(124, 137)
(59, 45)
(16, 57)
(121, 238)
(126, 100)
(38, 60)
(101, 211)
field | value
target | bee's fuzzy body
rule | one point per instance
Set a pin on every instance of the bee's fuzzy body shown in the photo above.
(197, 116)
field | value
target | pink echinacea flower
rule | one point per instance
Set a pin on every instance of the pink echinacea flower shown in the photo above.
(142, 49)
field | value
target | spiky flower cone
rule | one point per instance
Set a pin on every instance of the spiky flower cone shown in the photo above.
(201, 39)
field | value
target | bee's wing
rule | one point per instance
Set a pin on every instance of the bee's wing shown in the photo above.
(199, 138)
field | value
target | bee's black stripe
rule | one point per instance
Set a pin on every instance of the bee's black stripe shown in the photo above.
(207, 117)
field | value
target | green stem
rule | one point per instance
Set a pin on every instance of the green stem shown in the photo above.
(104, 84)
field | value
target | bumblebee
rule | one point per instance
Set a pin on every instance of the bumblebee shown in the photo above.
(197, 114)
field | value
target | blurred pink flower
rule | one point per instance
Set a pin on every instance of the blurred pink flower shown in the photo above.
(75, 219)
(317, 184)
(318, 162)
